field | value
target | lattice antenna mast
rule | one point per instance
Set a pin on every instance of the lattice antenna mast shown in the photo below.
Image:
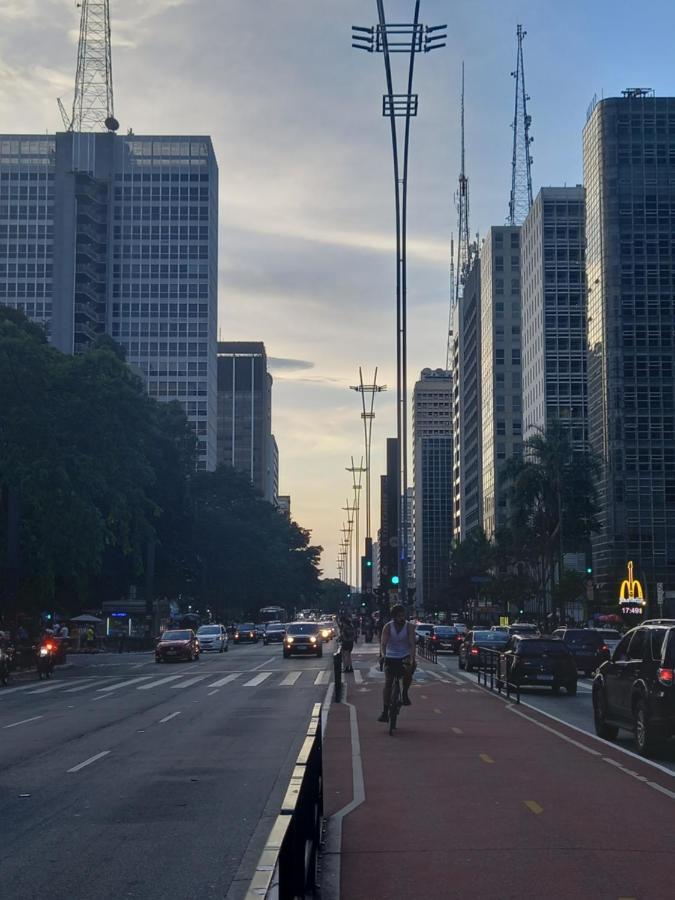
(463, 245)
(448, 349)
(521, 165)
(93, 104)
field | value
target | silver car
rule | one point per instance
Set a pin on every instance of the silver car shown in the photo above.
(212, 637)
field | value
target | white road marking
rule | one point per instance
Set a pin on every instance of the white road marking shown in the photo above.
(81, 687)
(358, 677)
(24, 687)
(190, 681)
(291, 678)
(211, 693)
(121, 684)
(322, 677)
(22, 722)
(169, 717)
(263, 664)
(147, 687)
(51, 687)
(258, 679)
(89, 761)
(226, 680)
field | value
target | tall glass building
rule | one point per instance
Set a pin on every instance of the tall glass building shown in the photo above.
(432, 464)
(118, 234)
(629, 176)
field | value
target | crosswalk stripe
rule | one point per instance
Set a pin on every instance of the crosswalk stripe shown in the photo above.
(81, 687)
(322, 677)
(121, 684)
(189, 682)
(263, 676)
(358, 677)
(51, 687)
(226, 680)
(24, 687)
(146, 687)
(291, 678)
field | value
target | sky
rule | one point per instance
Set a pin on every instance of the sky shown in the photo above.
(306, 239)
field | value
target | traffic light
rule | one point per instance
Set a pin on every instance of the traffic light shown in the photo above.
(589, 570)
(394, 580)
(369, 564)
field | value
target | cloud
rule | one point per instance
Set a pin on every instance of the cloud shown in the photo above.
(276, 363)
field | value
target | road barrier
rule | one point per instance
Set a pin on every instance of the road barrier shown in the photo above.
(427, 650)
(287, 868)
(487, 664)
(337, 674)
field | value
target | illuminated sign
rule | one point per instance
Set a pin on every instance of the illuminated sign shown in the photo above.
(631, 595)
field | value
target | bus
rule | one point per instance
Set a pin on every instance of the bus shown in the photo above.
(272, 614)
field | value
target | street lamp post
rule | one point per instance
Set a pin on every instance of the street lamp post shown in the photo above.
(410, 39)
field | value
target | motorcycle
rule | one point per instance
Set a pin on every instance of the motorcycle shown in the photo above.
(45, 659)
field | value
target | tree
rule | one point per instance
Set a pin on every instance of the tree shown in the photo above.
(471, 558)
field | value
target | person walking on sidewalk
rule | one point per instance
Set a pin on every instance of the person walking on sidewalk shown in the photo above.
(347, 634)
(397, 650)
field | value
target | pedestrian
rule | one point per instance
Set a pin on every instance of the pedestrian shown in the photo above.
(347, 635)
(91, 638)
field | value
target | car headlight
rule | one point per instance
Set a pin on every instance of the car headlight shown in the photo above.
(236, 634)
(312, 640)
(325, 633)
(289, 640)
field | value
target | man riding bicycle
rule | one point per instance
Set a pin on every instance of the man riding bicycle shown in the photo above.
(397, 649)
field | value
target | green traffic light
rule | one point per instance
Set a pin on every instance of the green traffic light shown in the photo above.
(589, 570)
(368, 563)
(394, 579)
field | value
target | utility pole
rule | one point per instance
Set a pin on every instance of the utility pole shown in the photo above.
(93, 101)
(521, 164)
(408, 39)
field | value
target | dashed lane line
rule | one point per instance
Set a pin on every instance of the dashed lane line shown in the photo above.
(457, 730)
(88, 762)
(169, 717)
(22, 722)
(486, 758)
(534, 807)
(254, 682)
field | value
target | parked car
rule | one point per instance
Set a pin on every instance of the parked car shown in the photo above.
(274, 633)
(422, 632)
(635, 689)
(303, 637)
(540, 661)
(179, 644)
(246, 633)
(587, 645)
(469, 651)
(446, 638)
(213, 637)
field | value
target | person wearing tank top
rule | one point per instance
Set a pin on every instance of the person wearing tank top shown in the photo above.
(397, 650)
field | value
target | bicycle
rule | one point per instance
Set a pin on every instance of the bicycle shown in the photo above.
(395, 699)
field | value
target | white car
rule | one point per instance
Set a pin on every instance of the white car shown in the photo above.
(212, 637)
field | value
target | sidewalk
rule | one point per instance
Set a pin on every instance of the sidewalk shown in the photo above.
(474, 797)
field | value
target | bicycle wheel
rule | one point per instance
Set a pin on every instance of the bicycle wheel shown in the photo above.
(394, 704)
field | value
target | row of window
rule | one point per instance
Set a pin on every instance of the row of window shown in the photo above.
(165, 291)
(152, 310)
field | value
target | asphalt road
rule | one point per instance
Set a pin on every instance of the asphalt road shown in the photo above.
(121, 778)
(576, 711)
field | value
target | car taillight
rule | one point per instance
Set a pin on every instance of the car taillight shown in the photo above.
(236, 634)
(474, 651)
(666, 676)
(604, 647)
(49, 646)
(434, 637)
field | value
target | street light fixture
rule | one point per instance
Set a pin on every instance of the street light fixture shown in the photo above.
(409, 38)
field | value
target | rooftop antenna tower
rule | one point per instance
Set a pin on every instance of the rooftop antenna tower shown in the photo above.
(448, 349)
(521, 165)
(93, 104)
(463, 246)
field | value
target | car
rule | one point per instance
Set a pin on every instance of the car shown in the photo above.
(538, 661)
(445, 638)
(611, 637)
(261, 628)
(327, 631)
(181, 643)
(469, 651)
(422, 632)
(303, 637)
(246, 633)
(213, 637)
(587, 645)
(274, 633)
(635, 688)
(525, 628)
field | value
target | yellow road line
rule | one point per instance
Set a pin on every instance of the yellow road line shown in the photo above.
(458, 731)
(534, 807)
(486, 758)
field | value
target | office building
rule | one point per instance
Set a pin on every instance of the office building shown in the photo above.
(466, 407)
(553, 295)
(432, 466)
(118, 234)
(501, 389)
(410, 535)
(629, 177)
(245, 438)
(284, 505)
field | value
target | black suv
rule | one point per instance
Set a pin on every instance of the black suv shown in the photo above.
(635, 690)
(588, 646)
(541, 661)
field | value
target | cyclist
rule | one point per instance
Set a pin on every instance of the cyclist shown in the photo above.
(397, 649)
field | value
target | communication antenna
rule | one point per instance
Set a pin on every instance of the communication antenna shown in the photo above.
(521, 165)
(93, 103)
(463, 245)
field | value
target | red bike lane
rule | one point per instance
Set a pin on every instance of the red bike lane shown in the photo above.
(474, 796)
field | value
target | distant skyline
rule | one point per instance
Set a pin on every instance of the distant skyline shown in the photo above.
(306, 200)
